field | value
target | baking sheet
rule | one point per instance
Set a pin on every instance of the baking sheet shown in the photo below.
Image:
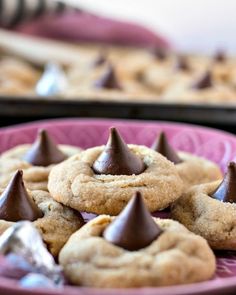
(38, 52)
(37, 108)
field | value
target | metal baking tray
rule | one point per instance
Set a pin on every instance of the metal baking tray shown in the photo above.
(20, 109)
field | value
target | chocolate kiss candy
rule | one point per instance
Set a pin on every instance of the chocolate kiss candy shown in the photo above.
(162, 146)
(226, 191)
(220, 56)
(16, 204)
(159, 53)
(108, 80)
(44, 151)
(134, 228)
(204, 82)
(101, 59)
(117, 159)
(182, 64)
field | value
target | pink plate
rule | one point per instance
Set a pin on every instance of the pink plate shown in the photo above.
(215, 145)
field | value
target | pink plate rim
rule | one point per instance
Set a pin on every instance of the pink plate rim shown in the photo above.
(218, 286)
(113, 122)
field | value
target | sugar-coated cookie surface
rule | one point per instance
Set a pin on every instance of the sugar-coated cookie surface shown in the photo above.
(183, 93)
(176, 257)
(35, 177)
(75, 184)
(212, 219)
(57, 223)
(196, 170)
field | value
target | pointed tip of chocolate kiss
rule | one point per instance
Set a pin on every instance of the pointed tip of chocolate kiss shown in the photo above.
(162, 146)
(108, 80)
(117, 158)
(182, 64)
(134, 228)
(44, 151)
(204, 82)
(15, 202)
(226, 191)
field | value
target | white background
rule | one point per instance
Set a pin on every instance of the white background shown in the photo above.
(202, 25)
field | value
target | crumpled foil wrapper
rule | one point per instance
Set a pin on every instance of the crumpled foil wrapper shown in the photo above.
(52, 82)
(36, 280)
(13, 266)
(22, 241)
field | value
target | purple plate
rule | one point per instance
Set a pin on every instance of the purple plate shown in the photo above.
(215, 145)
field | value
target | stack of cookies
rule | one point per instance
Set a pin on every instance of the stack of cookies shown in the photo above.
(24, 172)
(124, 246)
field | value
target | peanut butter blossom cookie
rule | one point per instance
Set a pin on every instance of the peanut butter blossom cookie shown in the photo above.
(209, 210)
(102, 179)
(35, 160)
(192, 169)
(135, 250)
(204, 89)
(54, 221)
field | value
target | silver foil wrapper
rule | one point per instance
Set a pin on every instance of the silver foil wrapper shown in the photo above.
(14, 266)
(23, 240)
(52, 82)
(35, 280)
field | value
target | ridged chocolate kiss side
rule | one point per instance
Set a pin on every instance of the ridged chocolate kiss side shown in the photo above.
(117, 158)
(162, 146)
(226, 191)
(44, 151)
(108, 80)
(134, 228)
(204, 82)
(16, 204)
